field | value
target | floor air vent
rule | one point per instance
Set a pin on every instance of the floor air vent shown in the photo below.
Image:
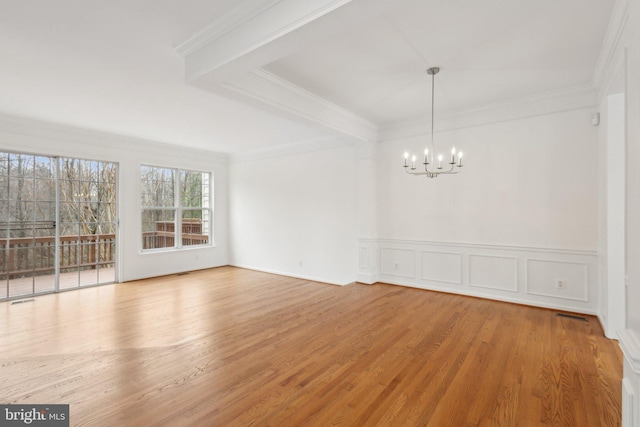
(572, 316)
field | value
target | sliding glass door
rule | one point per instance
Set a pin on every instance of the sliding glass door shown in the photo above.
(87, 213)
(27, 224)
(57, 224)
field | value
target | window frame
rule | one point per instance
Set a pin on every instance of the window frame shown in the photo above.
(177, 208)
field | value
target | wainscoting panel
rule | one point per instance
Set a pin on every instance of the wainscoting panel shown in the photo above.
(367, 261)
(554, 278)
(442, 267)
(493, 272)
(559, 279)
(628, 403)
(398, 262)
(630, 346)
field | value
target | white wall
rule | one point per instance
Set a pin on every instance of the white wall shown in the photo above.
(527, 182)
(521, 216)
(295, 214)
(24, 135)
(603, 241)
(613, 312)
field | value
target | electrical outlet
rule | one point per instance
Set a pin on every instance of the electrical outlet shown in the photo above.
(559, 284)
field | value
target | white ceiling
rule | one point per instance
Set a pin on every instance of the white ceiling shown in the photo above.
(488, 51)
(115, 66)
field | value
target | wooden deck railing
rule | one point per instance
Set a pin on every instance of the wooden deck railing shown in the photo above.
(166, 239)
(164, 234)
(36, 255)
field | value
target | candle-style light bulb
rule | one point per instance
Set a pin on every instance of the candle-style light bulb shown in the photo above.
(460, 159)
(426, 154)
(453, 155)
(440, 161)
(406, 157)
(413, 162)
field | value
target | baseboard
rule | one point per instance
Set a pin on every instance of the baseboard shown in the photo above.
(294, 275)
(367, 279)
(513, 300)
(609, 334)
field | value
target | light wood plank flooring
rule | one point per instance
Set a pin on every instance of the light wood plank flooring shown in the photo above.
(233, 347)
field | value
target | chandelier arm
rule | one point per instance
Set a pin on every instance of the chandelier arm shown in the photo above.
(452, 170)
(431, 174)
(412, 171)
(427, 174)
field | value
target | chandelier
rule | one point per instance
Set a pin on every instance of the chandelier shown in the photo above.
(431, 168)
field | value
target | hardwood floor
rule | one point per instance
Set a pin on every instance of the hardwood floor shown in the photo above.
(233, 347)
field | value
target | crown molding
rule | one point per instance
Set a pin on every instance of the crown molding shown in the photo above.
(282, 96)
(284, 150)
(243, 12)
(611, 43)
(529, 106)
(50, 131)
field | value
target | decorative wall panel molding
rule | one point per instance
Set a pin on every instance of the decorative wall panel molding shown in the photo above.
(398, 262)
(628, 403)
(523, 275)
(630, 345)
(558, 279)
(364, 258)
(442, 267)
(493, 272)
(367, 261)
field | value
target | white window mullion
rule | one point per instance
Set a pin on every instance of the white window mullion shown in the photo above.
(206, 209)
(56, 241)
(178, 209)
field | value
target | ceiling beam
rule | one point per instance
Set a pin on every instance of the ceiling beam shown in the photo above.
(226, 56)
(256, 33)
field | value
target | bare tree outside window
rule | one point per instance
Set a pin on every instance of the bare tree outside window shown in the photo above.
(43, 197)
(88, 208)
(175, 207)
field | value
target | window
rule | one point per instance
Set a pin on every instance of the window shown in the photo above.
(175, 208)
